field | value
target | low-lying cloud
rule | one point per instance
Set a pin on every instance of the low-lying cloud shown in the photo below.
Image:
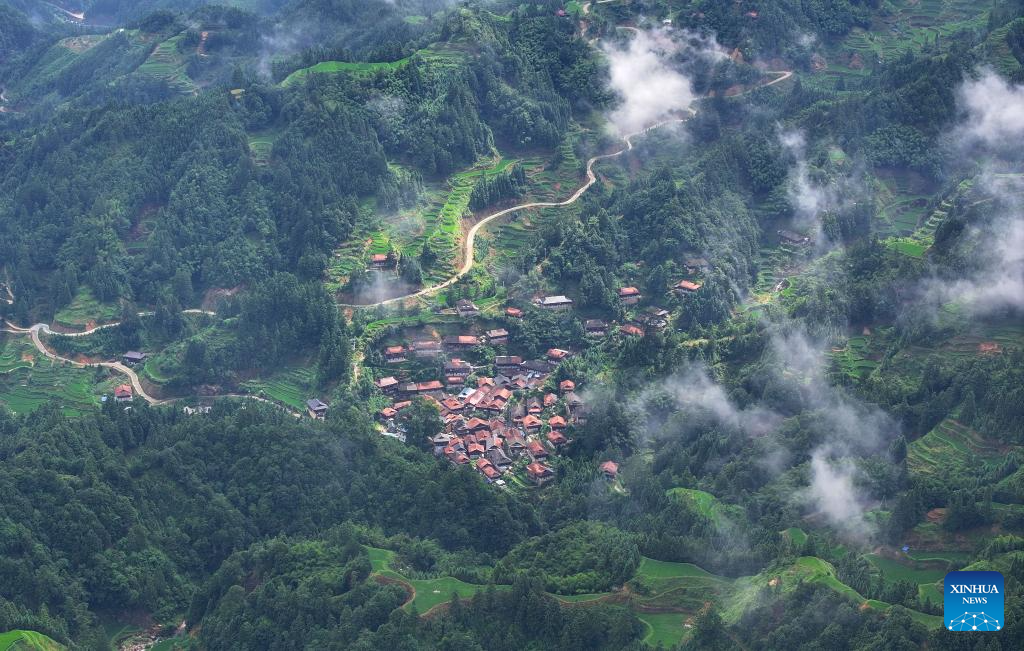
(991, 133)
(651, 86)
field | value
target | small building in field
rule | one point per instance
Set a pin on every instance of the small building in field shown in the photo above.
(513, 313)
(133, 357)
(595, 328)
(556, 303)
(457, 368)
(686, 287)
(380, 261)
(557, 354)
(790, 237)
(123, 393)
(460, 342)
(631, 330)
(696, 266)
(387, 385)
(466, 308)
(539, 474)
(629, 295)
(497, 336)
(610, 470)
(427, 348)
(508, 363)
(316, 409)
(394, 354)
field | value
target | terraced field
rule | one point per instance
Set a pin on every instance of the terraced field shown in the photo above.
(438, 56)
(27, 641)
(168, 64)
(292, 387)
(913, 25)
(29, 381)
(948, 447)
(85, 308)
(859, 357)
(261, 145)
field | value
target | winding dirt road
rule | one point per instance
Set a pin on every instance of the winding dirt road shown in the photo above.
(470, 242)
(35, 330)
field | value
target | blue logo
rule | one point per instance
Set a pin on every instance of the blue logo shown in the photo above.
(973, 601)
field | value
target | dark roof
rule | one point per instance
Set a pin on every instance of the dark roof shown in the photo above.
(315, 404)
(539, 366)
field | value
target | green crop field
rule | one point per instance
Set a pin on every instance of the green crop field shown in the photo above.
(948, 449)
(27, 641)
(28, 380)
(428, 592)
(666, 629)
(291, 387)
(350, 67)
(796, 535)
(704, 503)
(85, 308)
(909, 570)
(168, 64)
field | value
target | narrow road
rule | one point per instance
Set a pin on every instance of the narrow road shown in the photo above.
(117, 366)
(470, 243)
(469, 248)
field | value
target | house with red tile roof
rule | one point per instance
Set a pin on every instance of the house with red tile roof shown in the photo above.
(557, 422)
(686, 287)
(556, 438)
(123, 393)
(539, 473)
(631, 330)
(513, 312)
(557, 354)
(536, 449)
(610, 469)
(565, 386)
(629, 295)
(460, 342)
(387, 384)
(532, 423)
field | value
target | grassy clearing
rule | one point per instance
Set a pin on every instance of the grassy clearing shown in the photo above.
(358, 68)
(909, 570)
(429, 592)
(27, 641)
(85, 308)
(810, 569)
(796, 535)
(441, 55)
(666, 629)
(704, 503)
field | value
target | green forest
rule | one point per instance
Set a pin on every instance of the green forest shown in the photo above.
(500, 325)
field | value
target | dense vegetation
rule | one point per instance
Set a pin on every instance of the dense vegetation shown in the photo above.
(818, 408)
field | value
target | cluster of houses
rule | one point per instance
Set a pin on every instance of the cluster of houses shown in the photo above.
(496, 422)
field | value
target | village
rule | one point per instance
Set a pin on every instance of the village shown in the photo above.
(510, 419)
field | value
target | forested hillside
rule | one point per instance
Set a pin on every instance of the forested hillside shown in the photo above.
(422, 324)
